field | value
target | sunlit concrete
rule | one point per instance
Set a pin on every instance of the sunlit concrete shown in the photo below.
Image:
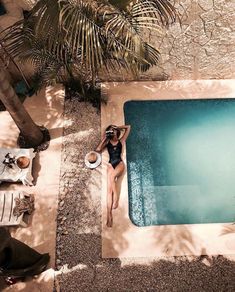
(127, 240)
(46, 109)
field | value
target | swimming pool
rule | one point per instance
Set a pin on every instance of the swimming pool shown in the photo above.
(181, 161)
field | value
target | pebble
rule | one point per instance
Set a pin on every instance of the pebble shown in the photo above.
(62, 203)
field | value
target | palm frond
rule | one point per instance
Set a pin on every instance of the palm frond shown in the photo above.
(90, 35)
(123, 28)
(151, 55)
(47, 75)
(161, 12)
(76, 29)
(80, 28)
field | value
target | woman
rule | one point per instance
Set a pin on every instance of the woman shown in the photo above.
(114, 143)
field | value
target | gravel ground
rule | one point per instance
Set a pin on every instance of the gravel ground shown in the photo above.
(79, 261)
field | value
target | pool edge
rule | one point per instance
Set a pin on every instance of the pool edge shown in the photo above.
(124, 239)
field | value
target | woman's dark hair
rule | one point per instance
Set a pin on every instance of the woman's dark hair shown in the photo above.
(110, 127)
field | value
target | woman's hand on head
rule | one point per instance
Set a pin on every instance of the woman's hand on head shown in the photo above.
(114, 127)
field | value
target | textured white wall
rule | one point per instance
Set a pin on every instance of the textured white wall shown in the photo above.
(203, 47)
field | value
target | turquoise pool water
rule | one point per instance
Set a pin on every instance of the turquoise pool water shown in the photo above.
(181, 161)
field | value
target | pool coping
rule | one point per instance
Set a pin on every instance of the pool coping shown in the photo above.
(125, 239)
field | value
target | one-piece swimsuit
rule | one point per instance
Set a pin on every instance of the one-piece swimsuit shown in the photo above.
(115, 152)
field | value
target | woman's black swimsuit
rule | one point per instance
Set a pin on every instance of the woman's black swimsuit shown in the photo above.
(115, 152)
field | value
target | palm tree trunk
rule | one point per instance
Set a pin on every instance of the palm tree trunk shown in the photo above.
(28, 129)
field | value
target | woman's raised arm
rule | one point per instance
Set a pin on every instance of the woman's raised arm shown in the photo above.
(127, 129)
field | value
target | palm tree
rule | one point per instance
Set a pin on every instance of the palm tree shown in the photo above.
(76, 37)
(29, 130)
(80, 38)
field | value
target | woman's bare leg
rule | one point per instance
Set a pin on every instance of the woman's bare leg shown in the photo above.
(109, 196)
(116, 173)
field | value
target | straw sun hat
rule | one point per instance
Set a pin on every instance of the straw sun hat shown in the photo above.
(92, 159)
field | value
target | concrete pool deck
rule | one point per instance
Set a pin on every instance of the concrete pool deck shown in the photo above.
(127, 240)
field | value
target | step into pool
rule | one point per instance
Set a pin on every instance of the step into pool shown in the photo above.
(181, 161)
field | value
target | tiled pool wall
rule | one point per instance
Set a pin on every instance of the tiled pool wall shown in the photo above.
(181, 161)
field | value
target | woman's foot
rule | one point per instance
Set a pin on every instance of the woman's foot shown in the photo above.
(115, 205)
